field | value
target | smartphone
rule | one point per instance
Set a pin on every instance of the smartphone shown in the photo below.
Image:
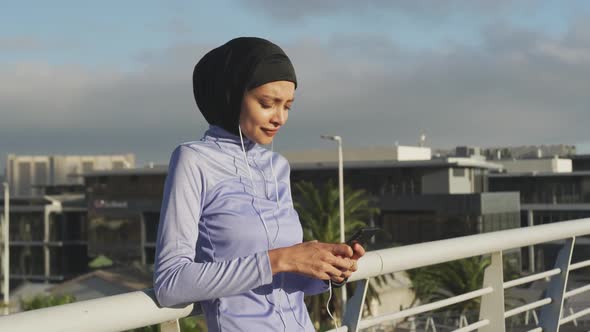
(363, 235)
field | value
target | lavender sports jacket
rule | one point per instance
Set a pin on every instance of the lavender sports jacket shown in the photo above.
(212, 246)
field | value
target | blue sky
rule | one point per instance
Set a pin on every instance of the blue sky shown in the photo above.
(115, 32)
(114, 76)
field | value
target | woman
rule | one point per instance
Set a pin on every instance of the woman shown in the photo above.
(229, 236)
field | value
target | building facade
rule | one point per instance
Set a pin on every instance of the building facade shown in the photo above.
(424, 200)
(28, 175)
(47, 237)
(117, 213)
(123, 213)
(581, 162)
(548, 197)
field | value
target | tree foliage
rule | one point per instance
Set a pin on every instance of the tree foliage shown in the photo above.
(441, 281)
(45, 301)
(319, 210)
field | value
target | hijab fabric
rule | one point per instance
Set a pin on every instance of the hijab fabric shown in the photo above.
(223, 75)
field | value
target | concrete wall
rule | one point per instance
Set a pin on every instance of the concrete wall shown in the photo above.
(553, 165)
(562, 165)
(448, 181)
(500, 202)
(412, 153)
(396, 292)
(66, 166)
(460, 181)
(436, 182)
(399, 153)
(24, 171)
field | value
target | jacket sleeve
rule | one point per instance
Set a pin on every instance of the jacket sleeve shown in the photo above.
(178, 279)
(308, 285)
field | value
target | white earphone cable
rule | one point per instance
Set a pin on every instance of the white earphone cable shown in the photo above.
(328, 306)
(270, 244)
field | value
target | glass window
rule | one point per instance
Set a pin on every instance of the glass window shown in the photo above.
(118, 165)
(458, 172)
(87, 166)
(27, 260)
(24, 177)
(115, 236)
(151, 225)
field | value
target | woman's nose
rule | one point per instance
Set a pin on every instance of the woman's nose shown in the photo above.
(278, 118)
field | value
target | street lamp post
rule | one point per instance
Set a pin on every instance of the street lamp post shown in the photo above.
(5, 259)
(341, 192)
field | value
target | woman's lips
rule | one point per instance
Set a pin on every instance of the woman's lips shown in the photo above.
(270, 132)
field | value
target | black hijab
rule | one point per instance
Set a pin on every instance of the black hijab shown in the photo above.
(223, 75)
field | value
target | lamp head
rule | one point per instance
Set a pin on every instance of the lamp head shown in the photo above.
(333, 138)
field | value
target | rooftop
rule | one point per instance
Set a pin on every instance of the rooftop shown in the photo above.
(156, 170)
(435, 163)
(539, 174)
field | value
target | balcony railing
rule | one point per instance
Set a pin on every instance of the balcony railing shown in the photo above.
(137, 309)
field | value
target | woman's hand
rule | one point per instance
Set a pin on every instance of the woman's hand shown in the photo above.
(358, 252)
(316, 259)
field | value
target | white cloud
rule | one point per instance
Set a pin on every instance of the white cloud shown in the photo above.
(511, 90)
(430, 10)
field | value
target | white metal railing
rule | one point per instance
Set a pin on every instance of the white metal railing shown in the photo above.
(492, 312)
(111, 313)
(137, 309)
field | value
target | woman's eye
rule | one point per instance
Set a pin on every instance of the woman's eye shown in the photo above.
(264, 105)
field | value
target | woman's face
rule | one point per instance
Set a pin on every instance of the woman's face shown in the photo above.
(265, 110)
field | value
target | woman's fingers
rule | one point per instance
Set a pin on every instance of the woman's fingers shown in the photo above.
(338, 279)
(341, 263)
(358, 250)
(331, 270)
(316, 259)
(340, 249)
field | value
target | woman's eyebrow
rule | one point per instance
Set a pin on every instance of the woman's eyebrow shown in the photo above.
(276, 98)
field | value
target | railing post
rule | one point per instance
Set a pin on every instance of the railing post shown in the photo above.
(531, 222)
(354, 307)
(571, 310)
(551, 313)
(463, 321)
(492, 304)
(170, 326)
(430, 324)
(527, 315)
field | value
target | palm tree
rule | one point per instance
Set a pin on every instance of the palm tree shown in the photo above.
(438, 282)
(459, 277)
(318, 209)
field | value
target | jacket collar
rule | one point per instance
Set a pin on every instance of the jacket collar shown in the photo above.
(224, 138)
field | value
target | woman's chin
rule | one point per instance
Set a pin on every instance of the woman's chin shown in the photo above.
(265, 141)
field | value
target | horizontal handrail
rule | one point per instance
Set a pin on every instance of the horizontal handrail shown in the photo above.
(137, 309)
(579, 265)
(385, 261)
(527, 307)
(531, 278)
(576, 291)
(424, 308)
(413, 256)
(112, 313)
(574, 316)
(473, 326)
